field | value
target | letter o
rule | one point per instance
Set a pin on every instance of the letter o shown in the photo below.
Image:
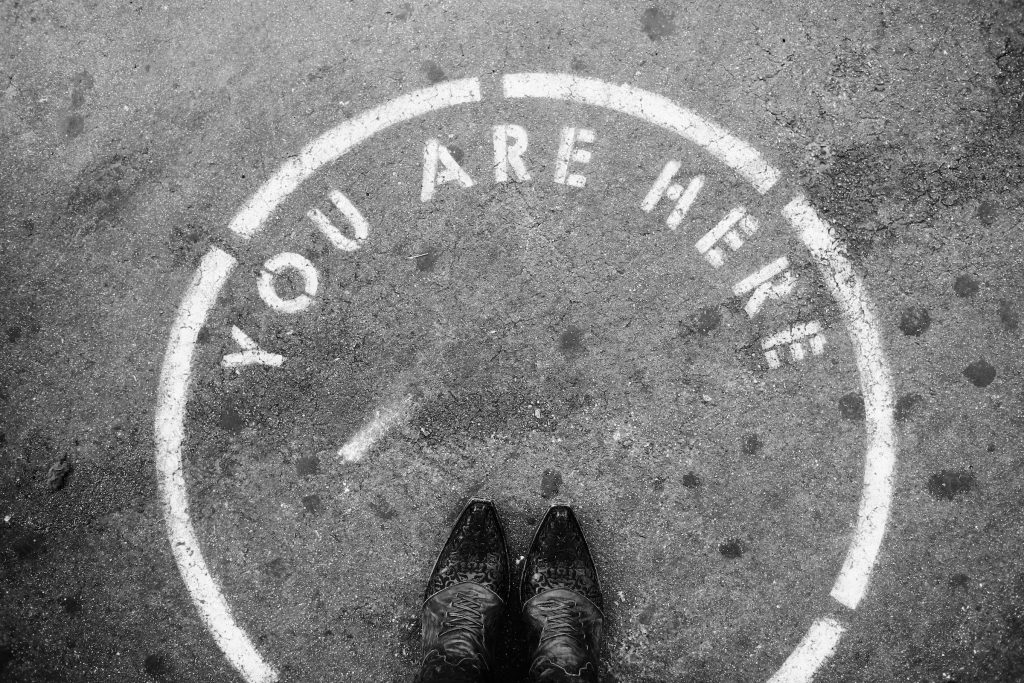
(275, 266)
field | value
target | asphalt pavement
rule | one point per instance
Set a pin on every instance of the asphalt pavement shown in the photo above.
(284, 285)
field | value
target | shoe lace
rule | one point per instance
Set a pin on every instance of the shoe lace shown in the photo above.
(563, 619)
(465, 616)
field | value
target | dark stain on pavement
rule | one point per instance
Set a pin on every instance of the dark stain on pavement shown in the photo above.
(457, 153)
(312, 503)
(73, 125)
(641, 379)
(907, 405)
(657, 23)
(81, 83)
(751, 444)
(578, 65)
(948, 484)
(404, 11)
(691, 480)
(104, 189)
(851, 406)
(550, 483)
(383, 508)
(72, 604)
(230, 419)
(965, 286)
(915, 321)
(703, 322)
(571, 341)
(980, 373)
(307, 466)
(426, 262)
(156, 665)
(28, 546)
(1009, 318)
(276, 569)
(959, 581)
(432, 71)
(731, 549)
(987, 212)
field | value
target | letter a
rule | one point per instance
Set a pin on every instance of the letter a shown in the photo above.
(433, 153)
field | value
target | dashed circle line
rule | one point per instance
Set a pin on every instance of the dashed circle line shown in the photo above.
(819, 643)
(172, 396)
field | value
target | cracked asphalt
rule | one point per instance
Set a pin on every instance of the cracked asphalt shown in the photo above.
(528, 341)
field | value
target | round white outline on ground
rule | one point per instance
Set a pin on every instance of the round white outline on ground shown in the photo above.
(820, 641)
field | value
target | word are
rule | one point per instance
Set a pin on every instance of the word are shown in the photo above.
(510, 143)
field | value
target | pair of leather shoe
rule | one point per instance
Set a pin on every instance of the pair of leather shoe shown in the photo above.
(468, 591)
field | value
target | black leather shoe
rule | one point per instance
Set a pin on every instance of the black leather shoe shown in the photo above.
(562, 602)
(465, 600)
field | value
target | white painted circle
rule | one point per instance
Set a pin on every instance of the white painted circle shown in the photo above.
(844, 284)
(276, 265)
